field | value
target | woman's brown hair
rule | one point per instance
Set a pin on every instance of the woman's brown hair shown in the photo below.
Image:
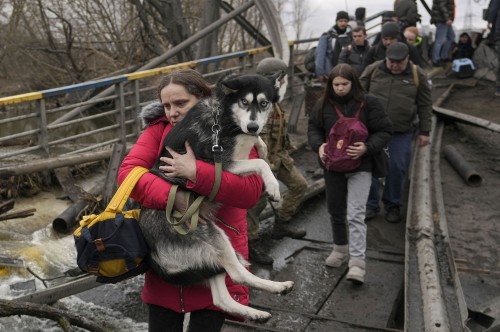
(345, 71)
(190, 79)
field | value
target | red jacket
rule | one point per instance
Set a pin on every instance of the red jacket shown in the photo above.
(236, 193)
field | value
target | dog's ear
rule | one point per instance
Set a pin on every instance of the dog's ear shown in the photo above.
(224, 86)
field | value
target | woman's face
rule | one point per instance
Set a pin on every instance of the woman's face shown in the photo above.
(176, 101)
(341, 86)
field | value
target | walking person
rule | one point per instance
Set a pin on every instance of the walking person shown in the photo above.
(354, 54)
(494, 26)
(407, 12)
(390, 34)
(442, 16)
(346, 192)
(282, 164)
(330, 45)
(167, 303)
(404, 91)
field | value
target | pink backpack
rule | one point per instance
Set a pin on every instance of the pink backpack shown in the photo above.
(346, 131)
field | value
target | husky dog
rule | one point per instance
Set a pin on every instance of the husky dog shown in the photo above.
(243, 104)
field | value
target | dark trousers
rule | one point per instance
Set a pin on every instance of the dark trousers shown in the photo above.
(166, 320)
(336, 200)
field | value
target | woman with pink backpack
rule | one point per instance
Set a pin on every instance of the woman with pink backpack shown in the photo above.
(349, 131)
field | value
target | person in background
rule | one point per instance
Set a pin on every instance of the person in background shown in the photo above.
(442, 16)
(282, 164)
(494, 26)
(407, 12)
(405, 93)
(346, 193)
(354, 53)
(387, 16)
(390, 35)
(463, 48)
(420, 43)
(330, 44)
(168, 303)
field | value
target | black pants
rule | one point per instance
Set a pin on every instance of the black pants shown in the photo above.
(166, 320)
(336, 200)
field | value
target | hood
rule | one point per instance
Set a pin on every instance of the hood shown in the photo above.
(150, 112)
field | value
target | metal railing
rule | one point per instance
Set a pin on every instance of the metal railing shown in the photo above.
(29, 122)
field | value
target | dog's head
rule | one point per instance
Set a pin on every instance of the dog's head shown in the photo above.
(250, 99)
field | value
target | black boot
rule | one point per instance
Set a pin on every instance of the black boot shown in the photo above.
(283, 228)
(257, 255)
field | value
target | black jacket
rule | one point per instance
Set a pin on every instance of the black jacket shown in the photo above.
(372, 115)
(494, 18)
(442, 11)
(354, 55)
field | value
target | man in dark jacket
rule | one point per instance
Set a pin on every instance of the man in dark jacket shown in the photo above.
(390, 34)
(442, 16)
(354, 54)
(404, 91)
(330, 44)
(407, 12)
(494, 26)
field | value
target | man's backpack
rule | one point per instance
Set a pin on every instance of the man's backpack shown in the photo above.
(310, 60)
(345, 132)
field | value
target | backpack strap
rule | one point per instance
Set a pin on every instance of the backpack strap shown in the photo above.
(356, 115)
(120, 197)
(416, 79)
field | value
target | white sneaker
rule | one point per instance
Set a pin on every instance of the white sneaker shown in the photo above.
(357, 271)
(339, 256)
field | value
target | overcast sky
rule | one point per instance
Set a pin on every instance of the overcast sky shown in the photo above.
(322, 13)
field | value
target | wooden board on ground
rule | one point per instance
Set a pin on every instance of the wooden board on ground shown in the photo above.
(375, 301)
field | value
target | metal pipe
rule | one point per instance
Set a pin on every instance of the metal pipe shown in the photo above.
(67, 219)
(471, 176)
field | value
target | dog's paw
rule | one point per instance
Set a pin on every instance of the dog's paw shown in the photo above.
(273, 190)
(287, 287)
(260, 316)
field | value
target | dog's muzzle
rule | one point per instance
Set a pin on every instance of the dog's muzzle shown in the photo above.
(253, 128)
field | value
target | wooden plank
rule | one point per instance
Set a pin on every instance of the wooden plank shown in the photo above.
(51, 295)
(110, 184)
(466, 118)
(7, 205)
(307, 271)
(375, 301)
(18, 214)
(6, 261)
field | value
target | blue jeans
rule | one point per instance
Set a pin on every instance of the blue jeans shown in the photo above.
(400, 150)
(445, 36)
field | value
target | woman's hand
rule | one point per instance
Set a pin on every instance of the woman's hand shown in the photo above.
(356, 150)
(321, 153)
(180, 165)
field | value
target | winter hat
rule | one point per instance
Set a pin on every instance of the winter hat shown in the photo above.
(397, 51)
(390, 30)
(342, 15)
(270, 66)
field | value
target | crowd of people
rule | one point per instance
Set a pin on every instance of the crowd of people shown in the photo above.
(382, 85)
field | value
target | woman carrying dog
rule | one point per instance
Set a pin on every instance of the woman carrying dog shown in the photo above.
(347, 192)
(167, 303)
